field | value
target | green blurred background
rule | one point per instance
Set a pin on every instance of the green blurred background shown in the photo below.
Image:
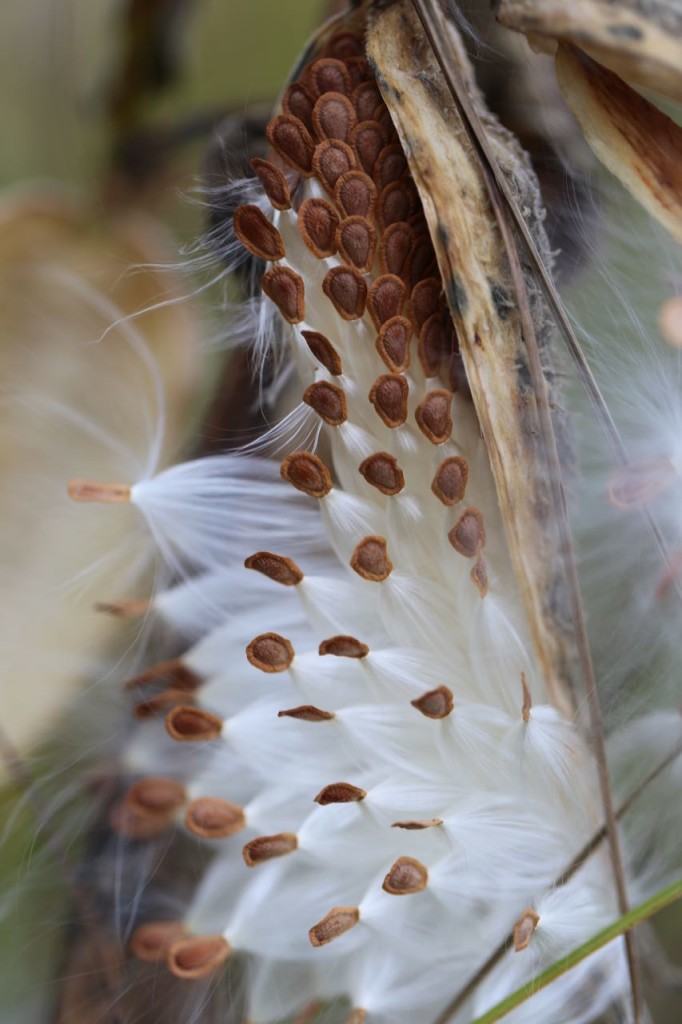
(60, 57)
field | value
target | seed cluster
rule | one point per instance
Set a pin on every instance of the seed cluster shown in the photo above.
(366, 217)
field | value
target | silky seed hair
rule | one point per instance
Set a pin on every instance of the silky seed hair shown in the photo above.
(356, 730)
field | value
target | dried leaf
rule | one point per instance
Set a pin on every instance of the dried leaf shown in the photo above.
(639, 144)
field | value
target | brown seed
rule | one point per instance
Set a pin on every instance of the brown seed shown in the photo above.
(257, 234)
(450, 481)
(385, 299)
(527, 699)
(425, 300)
(389, 398)
(355, 194)
(670, 321)
(393, 343)
(390, 165)
(343, 647)
(317, 224)
(298, 101)
(359, 70)
(211, 818)
(275, 185)
(356, 241)
(418, 223)
(396, 247)
(367, 139)
(334, 117)
(436, 704)
(160, 703)
(418, 826)
(151, 942)
(457, 376)
(174, 672)
(423, 261)
(275, 567)
(340, 793)
(382, 116)
(365, 98)
(329, 402)
(468, 534)
(285, 287)
(479, 575)
(382, 471)
(345, 45)
(198, 957)
(347, 290)
(418, 218)
(307, 473)
(331, 159)
(309, 1013)
(268, 847)
(307, 713)
(335, 923)
(192, 724)
(433, 416)
(158, 796)
(435, 343)
(270, 652)
(370, 559)
(97, 491)
(290, 138)
(128, 609)
(325, 353)
(407, 876)
(395, 204)
(329, 75)
(638, 483)
(138, 827)
(358, 1016)
(524, 928)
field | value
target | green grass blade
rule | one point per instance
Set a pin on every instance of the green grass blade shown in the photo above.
(634, 917)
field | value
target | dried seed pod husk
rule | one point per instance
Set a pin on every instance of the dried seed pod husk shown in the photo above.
(480, 293)
(640, 41)
(636, 141)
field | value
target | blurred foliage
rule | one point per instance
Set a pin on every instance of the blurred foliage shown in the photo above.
(60, 60)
